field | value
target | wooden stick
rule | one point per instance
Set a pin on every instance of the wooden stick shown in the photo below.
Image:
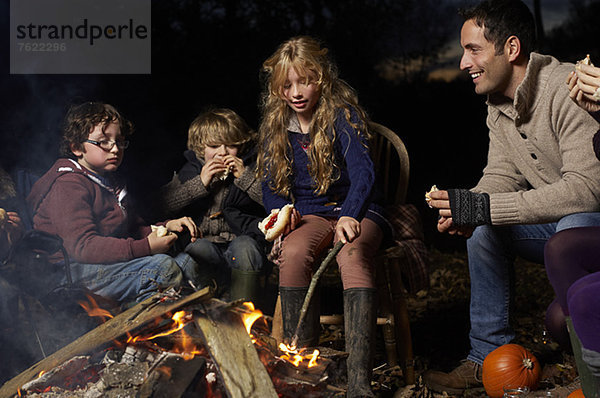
(110, 330)
(338, 319)
(311, 288)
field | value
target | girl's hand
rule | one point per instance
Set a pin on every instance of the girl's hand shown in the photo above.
(210, 169)
(180, 224)
(347, 229)
(235, 165)
(583, 84)
(161, 244)
(295, 220)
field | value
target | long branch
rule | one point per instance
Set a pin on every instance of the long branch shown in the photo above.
(311, 288)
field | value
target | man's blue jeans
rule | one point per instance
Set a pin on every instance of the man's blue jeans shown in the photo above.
(491, 252)
(137, 279)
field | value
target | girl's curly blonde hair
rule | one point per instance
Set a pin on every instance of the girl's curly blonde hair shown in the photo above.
(310, 61)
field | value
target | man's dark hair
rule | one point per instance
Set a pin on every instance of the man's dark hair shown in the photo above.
(502, 19)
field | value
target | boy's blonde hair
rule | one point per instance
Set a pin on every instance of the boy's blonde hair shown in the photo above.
(310, 60)
(218, 127)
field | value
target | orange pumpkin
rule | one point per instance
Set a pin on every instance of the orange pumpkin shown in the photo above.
(511, 366)
(576, 394)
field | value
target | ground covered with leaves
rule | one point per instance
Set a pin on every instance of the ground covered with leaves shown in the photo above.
(440, 328)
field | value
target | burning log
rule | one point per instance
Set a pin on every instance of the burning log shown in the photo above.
(172, 377)
(301, 372)
(134, 372)
(231, 349)
(207, 347)
(114, 328)
(63, 375)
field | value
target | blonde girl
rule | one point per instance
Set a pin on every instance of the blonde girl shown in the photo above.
(313, 152)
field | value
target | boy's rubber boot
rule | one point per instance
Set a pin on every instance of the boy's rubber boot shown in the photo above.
(360, 317)
(292, 299)
(589, 383)
(245, 285)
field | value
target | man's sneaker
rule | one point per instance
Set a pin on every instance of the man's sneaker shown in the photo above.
(466, 376)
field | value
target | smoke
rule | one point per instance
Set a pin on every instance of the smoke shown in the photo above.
(33, 114)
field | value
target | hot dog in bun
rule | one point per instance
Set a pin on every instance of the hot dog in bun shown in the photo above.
(274, 224)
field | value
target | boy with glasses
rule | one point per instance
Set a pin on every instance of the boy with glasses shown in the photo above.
(83, 201)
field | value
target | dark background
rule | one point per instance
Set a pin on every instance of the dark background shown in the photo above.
(209, 53)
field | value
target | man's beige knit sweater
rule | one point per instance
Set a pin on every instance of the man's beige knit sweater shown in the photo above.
(541, 164)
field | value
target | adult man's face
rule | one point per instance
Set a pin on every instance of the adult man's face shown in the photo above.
(491, 73)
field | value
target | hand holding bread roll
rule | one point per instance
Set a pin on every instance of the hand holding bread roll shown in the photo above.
(274, 224)
(586, 61)
(584, 85)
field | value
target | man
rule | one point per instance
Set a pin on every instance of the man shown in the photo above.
(541, 175)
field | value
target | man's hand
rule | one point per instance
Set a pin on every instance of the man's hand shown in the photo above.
(445, 225)
(583, 85)
(441, 201)
(472, 214)
(347, 229)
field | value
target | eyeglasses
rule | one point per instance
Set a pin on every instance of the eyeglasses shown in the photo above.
(109, 145)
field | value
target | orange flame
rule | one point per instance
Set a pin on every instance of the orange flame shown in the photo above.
(186, 347)
(180, 319)
(250, 317)
(290, 354)
(296, 357)
(313, 359)
(94, 310)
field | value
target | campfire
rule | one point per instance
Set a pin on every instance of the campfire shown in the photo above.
(172, 346)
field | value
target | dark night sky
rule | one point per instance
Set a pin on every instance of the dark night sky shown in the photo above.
(163, 104)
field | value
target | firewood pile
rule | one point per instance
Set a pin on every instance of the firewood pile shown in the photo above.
(171, 346)
(103, 363)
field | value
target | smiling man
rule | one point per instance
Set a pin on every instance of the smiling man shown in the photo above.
(541, 176)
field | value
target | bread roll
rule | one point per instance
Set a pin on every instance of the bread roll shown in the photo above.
(585, 61)
(160, 230)
(428, 194)
(274, 224)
